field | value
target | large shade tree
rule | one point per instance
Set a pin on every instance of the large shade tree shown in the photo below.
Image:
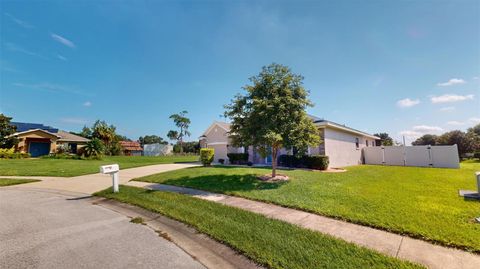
(385, 139)
(151, 139)
(182, 123)
(271, 114)
(6, 130)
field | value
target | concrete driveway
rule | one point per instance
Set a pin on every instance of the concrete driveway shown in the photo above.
(56, 230)
(88, 184)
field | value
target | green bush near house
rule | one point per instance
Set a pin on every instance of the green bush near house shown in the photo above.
(206, 156)
(237, 158)
(11, 154)
(319, 162)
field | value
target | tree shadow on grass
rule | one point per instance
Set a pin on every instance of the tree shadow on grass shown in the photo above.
(224, 183)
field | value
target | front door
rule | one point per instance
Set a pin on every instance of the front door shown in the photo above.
(38, 148)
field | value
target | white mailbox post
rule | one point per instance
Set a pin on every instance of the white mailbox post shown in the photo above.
(111, 169)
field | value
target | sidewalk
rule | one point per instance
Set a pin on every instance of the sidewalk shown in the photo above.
(89, 184)
(403, 247)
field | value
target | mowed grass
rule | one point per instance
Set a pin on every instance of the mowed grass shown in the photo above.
(15, 181)
(69, 168)
(420, 202)
(269, 242)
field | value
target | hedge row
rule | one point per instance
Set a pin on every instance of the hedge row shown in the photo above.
(318, 162)
(237, 158)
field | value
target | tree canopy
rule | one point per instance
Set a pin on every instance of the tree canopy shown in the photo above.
(6, 129)
(151, 139)
(271, 114)
(182, 123)
(385, 139)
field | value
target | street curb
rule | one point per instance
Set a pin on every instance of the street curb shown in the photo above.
(201, 247)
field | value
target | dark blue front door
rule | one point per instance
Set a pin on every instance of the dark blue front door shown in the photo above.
(38, 149)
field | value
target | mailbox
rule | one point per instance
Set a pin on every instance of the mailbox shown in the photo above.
(111, 169)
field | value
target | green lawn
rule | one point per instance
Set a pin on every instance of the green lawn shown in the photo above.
(269, 242)
(14, 181)
(420, 202)
(68, 168)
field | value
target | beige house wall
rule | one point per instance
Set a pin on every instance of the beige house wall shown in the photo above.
(341, 148)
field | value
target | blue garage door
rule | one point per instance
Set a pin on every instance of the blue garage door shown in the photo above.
(38, 149)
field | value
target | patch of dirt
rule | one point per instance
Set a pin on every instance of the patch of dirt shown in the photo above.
(334, 170)
(269, 178)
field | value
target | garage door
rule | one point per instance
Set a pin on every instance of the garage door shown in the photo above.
(38, 149)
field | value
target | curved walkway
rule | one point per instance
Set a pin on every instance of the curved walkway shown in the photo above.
(391, 244)
(89, 184)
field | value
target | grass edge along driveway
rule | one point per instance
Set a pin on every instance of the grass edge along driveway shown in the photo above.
(268, 242)
(14, 181)
(420, 202)
(70, 168)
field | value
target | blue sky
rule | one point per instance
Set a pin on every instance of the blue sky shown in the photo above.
(403, 67)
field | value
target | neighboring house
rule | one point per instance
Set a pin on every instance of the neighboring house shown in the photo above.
(38, 139)
(131, 148)
(157, 149)
(343, 145)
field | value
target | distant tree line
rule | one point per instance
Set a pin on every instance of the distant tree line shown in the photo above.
(467, 142)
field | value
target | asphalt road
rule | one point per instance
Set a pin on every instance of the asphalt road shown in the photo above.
(48, 230)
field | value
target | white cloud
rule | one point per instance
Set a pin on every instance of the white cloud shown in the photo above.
(447, 108)
(407, 102)
(450, 98)
(476, 78)
(451, 82)
(78, 121)
(62, 40)
(87, 104)
(418, 131)
(49, 87)
(22, 23)
(15, 48)
(456, 123)
(63, 58)
(410, 134)
(425, 129)
(474, 120)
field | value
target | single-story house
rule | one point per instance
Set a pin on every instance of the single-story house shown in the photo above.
(131, 148)
(343, 145)
(38, 139)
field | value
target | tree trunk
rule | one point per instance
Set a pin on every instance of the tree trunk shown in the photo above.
(274, 162)
(181, 146)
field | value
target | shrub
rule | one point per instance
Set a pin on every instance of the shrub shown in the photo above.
(221, 161)
(318, 162)
(313, 162)
(476, 155)
(94, 148)
(237, 158)
(206, 156)
(249, 163)
(11, 154)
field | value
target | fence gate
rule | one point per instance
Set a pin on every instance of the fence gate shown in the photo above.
(421, 156)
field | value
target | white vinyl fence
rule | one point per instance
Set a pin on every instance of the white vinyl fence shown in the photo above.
(423, 156)
(157, 149)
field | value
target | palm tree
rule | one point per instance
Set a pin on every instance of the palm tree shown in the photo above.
(183, 123)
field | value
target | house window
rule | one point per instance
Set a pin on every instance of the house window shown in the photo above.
(366, 142)
(357, 143)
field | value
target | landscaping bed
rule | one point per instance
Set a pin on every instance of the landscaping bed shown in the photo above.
(69, 167)
(269, 242)
(419, 202)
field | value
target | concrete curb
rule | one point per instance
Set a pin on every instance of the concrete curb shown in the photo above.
(202, 248)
